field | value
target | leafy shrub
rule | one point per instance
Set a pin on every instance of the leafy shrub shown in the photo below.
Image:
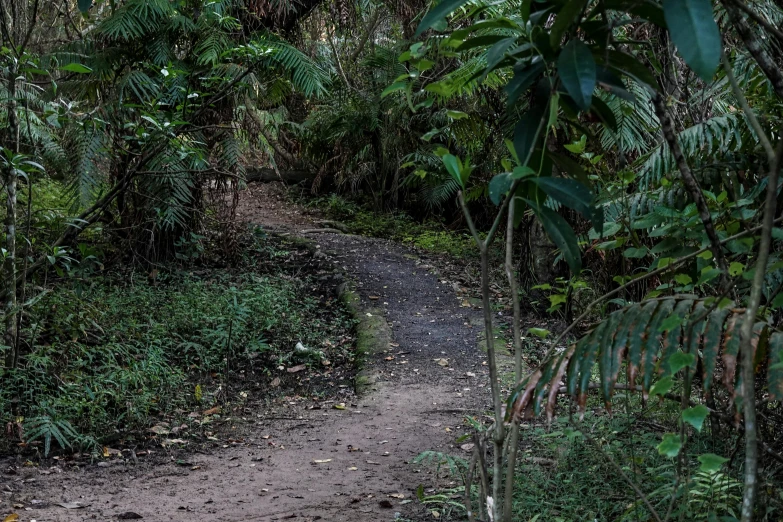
(109, 357)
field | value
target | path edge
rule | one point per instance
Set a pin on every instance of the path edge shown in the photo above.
(373, 336)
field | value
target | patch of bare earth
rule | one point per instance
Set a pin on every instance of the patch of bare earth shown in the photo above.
(352, 464)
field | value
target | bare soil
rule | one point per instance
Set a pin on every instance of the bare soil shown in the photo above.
(296, 460)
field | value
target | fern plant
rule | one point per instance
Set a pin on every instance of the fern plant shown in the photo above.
(46, 428)
(653, 341)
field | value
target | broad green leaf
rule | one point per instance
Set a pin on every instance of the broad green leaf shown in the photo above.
(693, 30)
(454, 168)
(522, 172)
(604, 113)
(497, 52)
(661, 387)
(736, 268)
(561, 234)
(577, 70)
(526, 133)
(438, 13)
(499, 186)
(711, 463)
(574, 195)
(635, 253)
(628, 65)
(570, 167)
(708, 275)
(670, 446)
(680, 360)
(76, 68)
(456, 115)
(397, 86)
(539, 332)
(683, 279)
(524, 76)
(695, 416)
(577, 147)
(84, 5)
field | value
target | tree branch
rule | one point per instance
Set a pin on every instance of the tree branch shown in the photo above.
(670, 136)
(747, 350)
(755, 46)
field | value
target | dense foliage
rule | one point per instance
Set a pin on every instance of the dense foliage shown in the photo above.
(629, 150)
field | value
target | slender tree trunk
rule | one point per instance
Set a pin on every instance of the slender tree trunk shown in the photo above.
(9, 262)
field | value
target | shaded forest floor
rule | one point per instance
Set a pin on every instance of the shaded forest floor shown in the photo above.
(349, 458)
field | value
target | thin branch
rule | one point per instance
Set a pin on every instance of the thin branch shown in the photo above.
(749, 114)
(755, 46)
(670, 136)
(748, 351)
(760, 20)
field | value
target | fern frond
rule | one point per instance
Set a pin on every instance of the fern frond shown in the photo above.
(655, 338)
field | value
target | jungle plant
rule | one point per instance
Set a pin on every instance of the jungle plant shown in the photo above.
(555, 69)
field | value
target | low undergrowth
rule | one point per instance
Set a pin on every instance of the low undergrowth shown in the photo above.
(428, 235)
(109, 358)
(569, 472)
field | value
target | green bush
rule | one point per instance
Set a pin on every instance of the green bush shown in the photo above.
(106, 359)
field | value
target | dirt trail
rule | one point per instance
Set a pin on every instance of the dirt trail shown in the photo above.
(366, 450)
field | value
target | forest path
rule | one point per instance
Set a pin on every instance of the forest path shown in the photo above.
(333, 465)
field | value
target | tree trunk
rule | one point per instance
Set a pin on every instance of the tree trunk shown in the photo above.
(9, 261)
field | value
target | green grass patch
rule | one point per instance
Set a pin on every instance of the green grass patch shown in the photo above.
(103, 359)
(429, 235)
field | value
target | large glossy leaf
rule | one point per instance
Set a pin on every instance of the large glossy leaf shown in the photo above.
(84, 5)
(578, 72)
(527, 132)
(439, 12)
(574, 195)
(628, 65)
(454, 168)
(524, 76)
(499, 186)
(561, 234)
(693, 30)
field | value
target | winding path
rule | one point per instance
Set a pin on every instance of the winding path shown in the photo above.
(365, 472)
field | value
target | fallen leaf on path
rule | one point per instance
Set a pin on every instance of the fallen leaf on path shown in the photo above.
(297, 368)
(352, 468)
(374, 297)
(13, 517)
(467, 447)
(397, 495)
(72, 505)
(324, 461)
(442, 362)
(340, 406)
(470, 374)
(372, 462)
(159, 430)
(435, 514)
(212, 411)
(275, 382)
